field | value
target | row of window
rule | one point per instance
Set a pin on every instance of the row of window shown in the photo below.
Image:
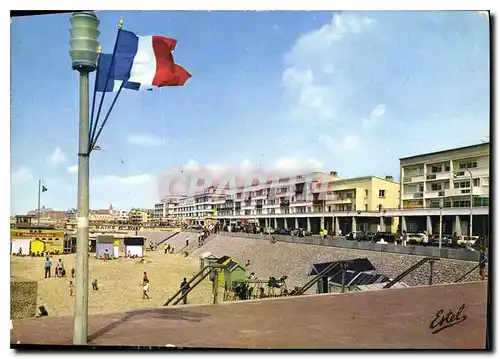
(445, 167)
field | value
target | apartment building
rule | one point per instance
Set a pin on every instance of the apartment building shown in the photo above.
(446, 177)
(199, 206)
(308, 195)
(138, 216)
(160, 210)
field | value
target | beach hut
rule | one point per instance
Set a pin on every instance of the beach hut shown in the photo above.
(207, 258)
(37, 246)
(233, 273)
(116, 248)
(134, 245)
(104, 244)
(23, 244)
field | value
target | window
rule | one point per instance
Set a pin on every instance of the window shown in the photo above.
(309, 209)
(475, 182)
(381, 193)
(447, 168)
(421, 188)
(486, 181)
(329, 208)
(436, 187)
(461, 204)
(461, 184)
(436, 169)
(366, 193)
(464, 165)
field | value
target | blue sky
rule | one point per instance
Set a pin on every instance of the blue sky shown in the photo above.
(281, 91)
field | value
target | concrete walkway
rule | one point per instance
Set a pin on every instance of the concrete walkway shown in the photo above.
(391, 318)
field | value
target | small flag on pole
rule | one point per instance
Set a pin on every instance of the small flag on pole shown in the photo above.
(44, 189)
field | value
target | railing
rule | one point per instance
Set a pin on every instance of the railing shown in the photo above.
(169, 237)
(200, 273)
(469, 271)
(411, 269)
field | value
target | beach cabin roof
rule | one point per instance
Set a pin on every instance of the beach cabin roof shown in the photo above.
(358, 278)
(105, 239)
(354, 265)
(223, 259)
(232, 265)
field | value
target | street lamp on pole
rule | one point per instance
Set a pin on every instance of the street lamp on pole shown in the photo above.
(440, 224)
(471, 185)
(84, 55)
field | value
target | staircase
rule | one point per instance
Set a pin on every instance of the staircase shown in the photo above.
(197, 279)
(193, 244)
(168, 237)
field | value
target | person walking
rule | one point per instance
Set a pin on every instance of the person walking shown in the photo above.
(60, 268)
(482, 264)
(48, 267)
(145, 289)
(404, 239)
(184, 288)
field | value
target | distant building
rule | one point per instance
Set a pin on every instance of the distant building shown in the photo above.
(429, 178)
(138, 216)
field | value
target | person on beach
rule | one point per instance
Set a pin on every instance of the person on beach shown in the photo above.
(145, 289)
(48, 267)
(184, 289)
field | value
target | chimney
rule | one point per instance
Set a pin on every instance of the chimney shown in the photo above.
(389, 178)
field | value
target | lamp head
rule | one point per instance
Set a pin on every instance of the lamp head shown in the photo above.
(83, 43)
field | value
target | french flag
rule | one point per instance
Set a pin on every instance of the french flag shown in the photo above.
(140, 63)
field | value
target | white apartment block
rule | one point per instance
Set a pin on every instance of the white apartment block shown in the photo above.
(303, 194)
(446, 177)
(199, 206)
(160, 210)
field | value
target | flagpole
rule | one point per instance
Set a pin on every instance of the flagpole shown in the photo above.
(39, 194)
(107, 116)
(91, 138)
(99, 51)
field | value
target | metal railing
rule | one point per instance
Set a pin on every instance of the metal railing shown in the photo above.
(190, 281)
(469, 271)
(166, 239)
(184, 294)
(411, 269)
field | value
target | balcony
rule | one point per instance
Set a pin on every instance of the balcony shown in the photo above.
(413, 179)
(412, 195)
(452, 192)
(341, 200)
(273, 205)
(476, 172)
(439, 176)
(434, 194)
(301, 203)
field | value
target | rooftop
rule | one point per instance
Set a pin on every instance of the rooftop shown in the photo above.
(484, 144)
